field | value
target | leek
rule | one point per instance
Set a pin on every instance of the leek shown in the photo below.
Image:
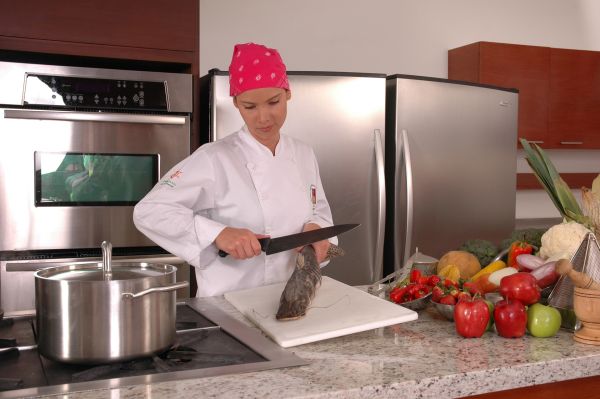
(555, 186)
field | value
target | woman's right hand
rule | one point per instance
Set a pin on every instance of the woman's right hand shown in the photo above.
(239, 243)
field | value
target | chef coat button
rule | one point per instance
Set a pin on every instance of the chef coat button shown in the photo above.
(250, 165)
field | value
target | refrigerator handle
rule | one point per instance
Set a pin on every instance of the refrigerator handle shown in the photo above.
(212, 134)
(379, 159)
(403, 144)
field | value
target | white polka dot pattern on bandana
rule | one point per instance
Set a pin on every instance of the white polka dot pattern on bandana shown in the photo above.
(255, 66)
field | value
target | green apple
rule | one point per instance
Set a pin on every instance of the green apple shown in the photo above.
(490, 325)
(543, 321)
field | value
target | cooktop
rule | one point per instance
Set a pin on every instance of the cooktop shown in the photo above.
(209, 342)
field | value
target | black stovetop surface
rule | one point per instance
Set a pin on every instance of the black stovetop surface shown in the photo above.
(199, 344)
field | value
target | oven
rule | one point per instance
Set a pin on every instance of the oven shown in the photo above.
(79, 147)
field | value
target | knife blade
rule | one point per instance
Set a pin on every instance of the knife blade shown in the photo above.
(274, 245)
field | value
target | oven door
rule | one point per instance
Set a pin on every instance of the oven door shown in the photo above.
(70, 179)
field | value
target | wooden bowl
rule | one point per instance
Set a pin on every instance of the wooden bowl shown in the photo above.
(586, 304)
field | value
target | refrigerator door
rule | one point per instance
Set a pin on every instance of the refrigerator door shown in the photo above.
(452, 152)
(342, 117)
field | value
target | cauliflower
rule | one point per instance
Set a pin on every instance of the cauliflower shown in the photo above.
(562, 240)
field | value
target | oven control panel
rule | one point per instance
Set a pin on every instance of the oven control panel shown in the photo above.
(69, 91)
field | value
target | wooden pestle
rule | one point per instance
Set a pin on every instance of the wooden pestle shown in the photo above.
(580, 280)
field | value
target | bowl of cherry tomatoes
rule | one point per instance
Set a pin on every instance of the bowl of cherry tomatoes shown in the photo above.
(447, 293)
(415, 291)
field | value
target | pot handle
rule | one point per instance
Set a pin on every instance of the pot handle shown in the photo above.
(165, 288)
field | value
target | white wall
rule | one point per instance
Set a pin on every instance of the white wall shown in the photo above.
(401, 36)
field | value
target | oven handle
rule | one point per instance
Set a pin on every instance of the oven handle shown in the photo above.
(93, 117)
(33, 266)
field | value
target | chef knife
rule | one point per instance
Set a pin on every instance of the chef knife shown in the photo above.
(273, 245)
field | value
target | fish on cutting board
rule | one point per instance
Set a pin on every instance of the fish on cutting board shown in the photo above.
(302, 285)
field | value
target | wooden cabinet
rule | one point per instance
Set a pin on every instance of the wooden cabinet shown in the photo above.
(522, 67)
(582, 388)
(160, 35)
(559, 89)
(159, 30)
(574, 102)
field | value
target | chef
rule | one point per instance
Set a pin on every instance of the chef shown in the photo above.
(254, 183)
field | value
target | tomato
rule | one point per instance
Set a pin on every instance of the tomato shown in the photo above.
(433, 280)
(397, 293)
(415, 275)
(463, 296)
(448, 300)
(437, 293)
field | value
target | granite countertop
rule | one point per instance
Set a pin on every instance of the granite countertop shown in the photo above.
(418, 359)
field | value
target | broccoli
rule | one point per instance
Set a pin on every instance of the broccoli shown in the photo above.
(531, 236)
(484, 250)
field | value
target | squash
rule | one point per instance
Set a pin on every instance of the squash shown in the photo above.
(467, 263)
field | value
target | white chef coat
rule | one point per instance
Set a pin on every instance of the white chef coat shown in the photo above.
(235, 182)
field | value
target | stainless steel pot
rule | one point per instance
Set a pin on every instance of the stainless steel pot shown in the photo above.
(96, 313)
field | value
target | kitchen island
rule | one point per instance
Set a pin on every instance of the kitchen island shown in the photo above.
(418, 359)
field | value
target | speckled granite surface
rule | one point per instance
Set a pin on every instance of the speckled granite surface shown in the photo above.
(418, 359)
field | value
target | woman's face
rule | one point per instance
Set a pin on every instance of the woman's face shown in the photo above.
(263, 110)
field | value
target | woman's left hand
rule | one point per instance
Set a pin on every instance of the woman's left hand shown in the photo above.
(321, 247)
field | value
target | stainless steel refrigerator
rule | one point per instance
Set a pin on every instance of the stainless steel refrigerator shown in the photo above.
(451, 150)
(342, 116)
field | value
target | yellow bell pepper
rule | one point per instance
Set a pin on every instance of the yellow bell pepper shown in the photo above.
(492, 267)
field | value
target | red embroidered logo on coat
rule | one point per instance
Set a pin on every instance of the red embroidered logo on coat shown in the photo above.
(176, 174)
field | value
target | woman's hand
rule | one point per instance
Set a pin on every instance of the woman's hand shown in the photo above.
(239, 243)
(321, 247)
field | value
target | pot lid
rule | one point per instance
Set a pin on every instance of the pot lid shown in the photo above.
(94, 272)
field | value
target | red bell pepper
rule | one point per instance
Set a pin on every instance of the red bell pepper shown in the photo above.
(510, 317)
(521, 286)
(517, 248)
(471, 317)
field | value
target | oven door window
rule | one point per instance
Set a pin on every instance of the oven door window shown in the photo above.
(93, 179)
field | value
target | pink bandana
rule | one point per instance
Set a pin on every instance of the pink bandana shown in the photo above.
(254, 66)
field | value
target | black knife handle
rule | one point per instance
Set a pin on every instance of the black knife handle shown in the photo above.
(7, 342)
(222, 253)
(11, 383)
(264, 244)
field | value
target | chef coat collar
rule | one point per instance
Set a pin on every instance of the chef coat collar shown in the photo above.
(260, 150)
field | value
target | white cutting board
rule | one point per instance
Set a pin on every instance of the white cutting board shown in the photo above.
(337, 309)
